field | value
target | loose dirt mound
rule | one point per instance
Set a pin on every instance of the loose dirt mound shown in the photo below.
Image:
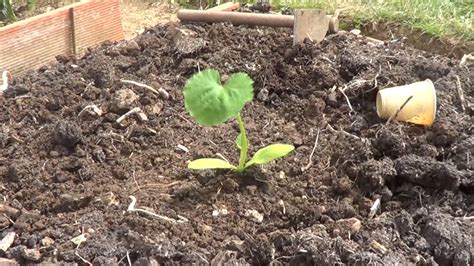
(70, 173)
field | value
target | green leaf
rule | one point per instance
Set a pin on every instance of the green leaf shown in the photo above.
(238, 141)
(210, 163)
(7, 9)
(270, 153)
(210, 102)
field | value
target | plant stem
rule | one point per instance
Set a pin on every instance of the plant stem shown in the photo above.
(243, 150)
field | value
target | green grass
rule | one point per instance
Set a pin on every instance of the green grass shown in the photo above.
(439, 18)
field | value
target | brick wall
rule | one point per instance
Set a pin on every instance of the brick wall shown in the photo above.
(30, 43)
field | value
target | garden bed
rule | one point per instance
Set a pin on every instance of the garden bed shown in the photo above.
(70, 173)
(70, 30)
(22, 12)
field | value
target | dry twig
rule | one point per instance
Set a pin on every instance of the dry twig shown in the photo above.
(460, 93)
(140, 85)
(374, 208)
(347, 99)
(345, 133)
(310, 160)
(135, 110)
(91, 109)
(131, 208)
(162, 92)
(395, 115)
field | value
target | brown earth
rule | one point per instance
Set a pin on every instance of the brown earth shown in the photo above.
(67, 173)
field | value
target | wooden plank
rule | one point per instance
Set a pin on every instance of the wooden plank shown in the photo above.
(310, 23)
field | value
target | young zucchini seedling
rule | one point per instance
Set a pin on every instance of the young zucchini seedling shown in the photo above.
(211, 103)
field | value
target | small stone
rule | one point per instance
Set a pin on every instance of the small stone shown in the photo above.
(336, 232)
(132, 47)
(351, 225)
(326, 219)
(254, 215)
(342, 185)
(386, 194)
(31, 241)
(80, 152)
(31, 254)
(67, 134)
(281, 175)
(206, 228)
(7, 241)
(263, 95)
(230, 185)
(21, 226)
(38, 226)
(290, 54)
(356, 31)
(54, 154)
(60, 177)
(123, 100)
(47, 242)
(251, 190)
(37, 183)
(120, 174)
(220, 212)
(4, 222)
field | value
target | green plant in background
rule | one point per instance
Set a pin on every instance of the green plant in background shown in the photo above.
(7, 11)
(212, 103)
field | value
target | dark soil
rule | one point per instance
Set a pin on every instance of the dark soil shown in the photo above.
(67, 173)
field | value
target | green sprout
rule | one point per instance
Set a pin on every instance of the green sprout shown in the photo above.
(211, 103)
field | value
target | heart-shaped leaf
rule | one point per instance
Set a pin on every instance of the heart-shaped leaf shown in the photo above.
(210, 102)
(270, 153)
(210, 163)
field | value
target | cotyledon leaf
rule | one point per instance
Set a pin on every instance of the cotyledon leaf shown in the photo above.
(270, 153)
(211, 103)
(210, 163)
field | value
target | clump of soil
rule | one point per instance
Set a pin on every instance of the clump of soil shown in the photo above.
(69, 177)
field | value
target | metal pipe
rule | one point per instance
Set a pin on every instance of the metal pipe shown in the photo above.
(237, 18)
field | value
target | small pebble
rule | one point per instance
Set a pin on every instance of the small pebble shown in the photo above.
(254, 215)
(47, 242)
(31, 254)
(263, 95)
(164, 94)
(31, 241)
(230, 185)
(351, 225)
(281, 175)
(251, 190)
(206, 228)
